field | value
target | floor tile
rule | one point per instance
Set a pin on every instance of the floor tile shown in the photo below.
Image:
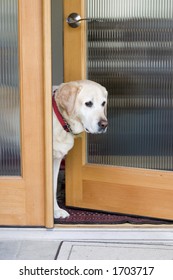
(9, 249)
(28, 250)
(114, 251)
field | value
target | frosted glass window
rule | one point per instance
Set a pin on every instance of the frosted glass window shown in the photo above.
(130, 52)
(9, 89)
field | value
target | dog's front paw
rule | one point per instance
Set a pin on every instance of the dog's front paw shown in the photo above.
(60, 213)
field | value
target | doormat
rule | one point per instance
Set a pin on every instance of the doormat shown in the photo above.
(80, 216)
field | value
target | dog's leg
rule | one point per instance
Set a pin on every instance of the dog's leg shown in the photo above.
(58, 212)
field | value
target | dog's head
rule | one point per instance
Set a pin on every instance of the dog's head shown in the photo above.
(85, 101)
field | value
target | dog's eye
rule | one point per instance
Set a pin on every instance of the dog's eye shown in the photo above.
(89, 104)
(103, 104)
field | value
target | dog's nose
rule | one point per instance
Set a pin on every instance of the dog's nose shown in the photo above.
(103, 124)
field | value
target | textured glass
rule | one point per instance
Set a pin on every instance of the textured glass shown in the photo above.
(9, 89)
(130, 52)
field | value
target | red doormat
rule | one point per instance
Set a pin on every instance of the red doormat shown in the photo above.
(79, 216)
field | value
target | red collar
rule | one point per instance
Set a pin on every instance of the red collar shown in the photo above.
(59, 116)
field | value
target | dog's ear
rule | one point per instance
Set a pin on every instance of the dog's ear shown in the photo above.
(66, 97)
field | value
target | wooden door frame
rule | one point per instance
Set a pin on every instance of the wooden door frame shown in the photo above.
(27, 200)
(46, 86)
(47, 54)
(76, 70)
(125, 185)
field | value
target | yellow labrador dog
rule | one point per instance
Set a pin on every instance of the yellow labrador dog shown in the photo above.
(77, 106)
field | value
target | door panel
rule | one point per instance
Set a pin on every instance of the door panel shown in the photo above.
(125, 175)
(22, 197)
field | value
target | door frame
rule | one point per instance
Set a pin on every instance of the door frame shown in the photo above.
(47, 77)
(27, 200)
(124, 179)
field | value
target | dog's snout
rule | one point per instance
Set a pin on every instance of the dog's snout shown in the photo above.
(103, 124)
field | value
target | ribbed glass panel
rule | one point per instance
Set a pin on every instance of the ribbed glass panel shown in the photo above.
(9, 89)
(130, 52)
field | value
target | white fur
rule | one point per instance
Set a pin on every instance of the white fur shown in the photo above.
(71, 99)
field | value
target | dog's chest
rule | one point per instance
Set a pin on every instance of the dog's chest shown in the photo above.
(62, 141)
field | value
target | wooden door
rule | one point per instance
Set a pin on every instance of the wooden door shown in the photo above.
(25, 199)
(136, 191)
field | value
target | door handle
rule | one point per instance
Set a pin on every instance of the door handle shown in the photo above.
(74, 20)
